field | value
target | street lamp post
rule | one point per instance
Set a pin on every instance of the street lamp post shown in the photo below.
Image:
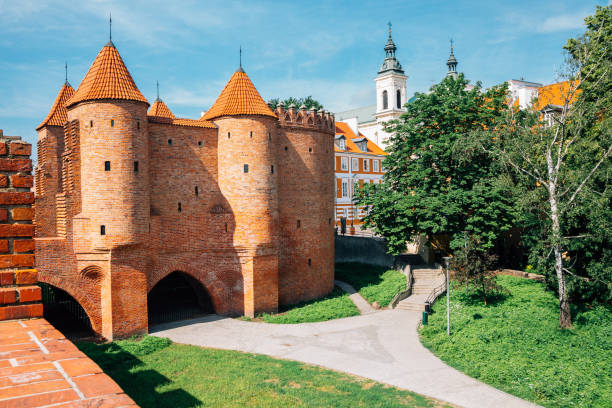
(446, 263)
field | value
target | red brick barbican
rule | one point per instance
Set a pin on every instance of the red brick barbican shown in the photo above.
(241, 200)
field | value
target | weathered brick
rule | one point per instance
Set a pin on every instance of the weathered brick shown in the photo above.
(4, 245)
(7, 278)
(21, 180)
(16, 261)
(21, 312)
(20, 149)
(22, 214)
(3, 180)
(3, 214)
(29, 293)
(16, 230)
(8, 296)
(15, 164)
(13, 198)
(21, 245)
(3, 149)
(26, 277)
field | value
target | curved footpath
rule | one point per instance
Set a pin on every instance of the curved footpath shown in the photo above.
(382, 346)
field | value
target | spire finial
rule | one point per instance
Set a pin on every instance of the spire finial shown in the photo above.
(66, 68)
(110, 27)
(158, 90)
(389, 24)
(241, 56)
(451, 43)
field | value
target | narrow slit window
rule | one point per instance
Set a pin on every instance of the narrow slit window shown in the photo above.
(106, 166)
(299, 223)
(272, 169)
(138, 125)
(246, 168)
(228, 135)
(309, 262)
(329, 221)
(196, 191)
(102, 229)
(251, 134)
(170, 142)
(310, 150)
(199, 143)
(91, 123)
(269, 136)
(286, 148)
(180, 207)
(112, 122)
(226, 227)
(135, 167)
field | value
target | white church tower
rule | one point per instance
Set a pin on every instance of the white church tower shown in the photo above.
(390, 87)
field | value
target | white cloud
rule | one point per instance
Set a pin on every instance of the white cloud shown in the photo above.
(562, 22)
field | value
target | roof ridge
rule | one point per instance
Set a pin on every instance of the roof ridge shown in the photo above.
(107, 78)
(58, 115)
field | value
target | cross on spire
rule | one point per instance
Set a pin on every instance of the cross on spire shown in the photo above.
(240, 56)
(66, 68)
(110, 27)
(158, 90)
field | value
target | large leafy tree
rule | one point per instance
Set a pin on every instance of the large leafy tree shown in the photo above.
(308, 101)
(562, 164)
(437, 180)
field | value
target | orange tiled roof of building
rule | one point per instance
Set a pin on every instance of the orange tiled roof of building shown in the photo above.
(239, 97)
(58, 115)
(553, 94)
(160, 109)
(107, 78)
(343, 128)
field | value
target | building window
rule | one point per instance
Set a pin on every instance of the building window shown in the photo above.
(135, 167)
(106, 166)
(170, 142)
(91, 123)
(228, 135)
(138, 124)
(112, 122)
(102, 229)
(375, 165)
(385, 100)
(180, 207)
(344, 163)
(196, 191)
(398, 97)
(199, 143)
(364, 146)
(345, 212)
(342, 144)
(355, 164)
(309, 262)
(272, 169)
(269, 136)
(310, 150)
(246, 168)
(344, 188)
(286, 148)
(251, 134)
(299, 223)
(366, 165)
(329, 221)
(226, 227)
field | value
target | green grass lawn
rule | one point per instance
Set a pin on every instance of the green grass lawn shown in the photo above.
(515, 344)
(374, 283)
(333, 306)
(157, 373)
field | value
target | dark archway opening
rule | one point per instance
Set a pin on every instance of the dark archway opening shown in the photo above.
(178, 296)
(65, 313)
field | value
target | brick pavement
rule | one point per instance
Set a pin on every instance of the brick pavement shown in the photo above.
(39, 367)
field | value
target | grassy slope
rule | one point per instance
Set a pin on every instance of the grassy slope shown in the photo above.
(333, 306)
(156, 373)
(374, 283)
(515, 345)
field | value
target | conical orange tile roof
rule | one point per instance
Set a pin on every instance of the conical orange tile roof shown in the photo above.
(160, 110)
(58, 115)
(107, 78)
(239, 97)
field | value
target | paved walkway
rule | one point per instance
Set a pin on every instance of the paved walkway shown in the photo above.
(363, 305)
(39, 368)
(382, 346)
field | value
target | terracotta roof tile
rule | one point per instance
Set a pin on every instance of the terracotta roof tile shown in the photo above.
(553, 94)
(342, 128)
(58, 115)
(239, 97)
(182, 122)
(160, 109)
(107, 78)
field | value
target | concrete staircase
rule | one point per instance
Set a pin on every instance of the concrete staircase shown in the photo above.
(425, 280)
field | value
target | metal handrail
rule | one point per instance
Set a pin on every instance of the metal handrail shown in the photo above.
(436, 292)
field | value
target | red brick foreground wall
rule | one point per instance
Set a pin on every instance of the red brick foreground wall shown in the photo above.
(20, 297)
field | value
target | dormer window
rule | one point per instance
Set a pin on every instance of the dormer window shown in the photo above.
(362, 143)
(364, 146)
(341, 142)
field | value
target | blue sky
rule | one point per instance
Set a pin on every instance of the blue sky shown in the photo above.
(328, 49)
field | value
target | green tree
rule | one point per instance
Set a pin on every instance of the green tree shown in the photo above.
(308, 101)
(437, 180)
(562, 164)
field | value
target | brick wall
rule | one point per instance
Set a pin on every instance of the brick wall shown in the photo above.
(20, 297)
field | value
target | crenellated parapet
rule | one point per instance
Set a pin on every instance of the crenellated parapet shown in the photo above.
(301, 117)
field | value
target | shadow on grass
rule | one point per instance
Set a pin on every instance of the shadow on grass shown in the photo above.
(125, 368)
(475, 298)
(359, 275)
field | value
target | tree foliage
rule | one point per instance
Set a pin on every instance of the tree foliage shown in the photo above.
(308, 101)
(437, 180)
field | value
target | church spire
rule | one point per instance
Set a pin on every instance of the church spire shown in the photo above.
(390, 63)
(452, 62)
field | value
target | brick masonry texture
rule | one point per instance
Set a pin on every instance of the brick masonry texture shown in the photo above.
(39, 367)
(253, 239)
(19, 295)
